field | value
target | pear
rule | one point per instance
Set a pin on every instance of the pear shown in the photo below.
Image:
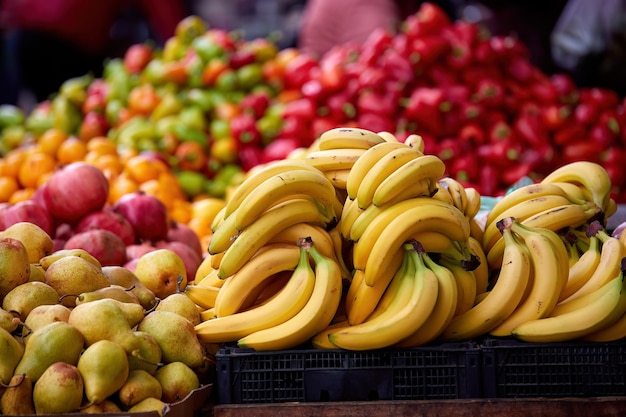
(55, 342)
(105, 320)
(115, 292)
(14, 265)
(8, 321)
(106, 406)
(150, 404)
(139, 386)
(37, 273)
(177, 381)
(176, 336)
(104, 367)
(182, 305)
(162, 271)
(43, 315)
(37, 242)
(73, 275)
(17, 399)
(59, 389)
(148, 354)
(11, 352)
(124, 277)
(22, 299)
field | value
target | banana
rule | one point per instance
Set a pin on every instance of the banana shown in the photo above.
(262, 266)
(476, 229)
(444, 309)
(224, 234)
(203, 295)
(388, 136)
(425, 167)
(611, 253)
(591, 317)
(348, 137)
(215, 260)
(257, 234)
(575, 192)
(443, 194)
(338, 246)
(333, 159)
(320, 340)
(287, 184)
(415, 142)
(351, 211)
(362, 299)
(258, 175)
(577, 303)
(547, 283)
(425, 187)
(381, 170)
(372, 252)
(218, 218)
(465, 283)
(401, 318)
(582, 270)
(338, 177)
(481, 273)
(47, 260)
(315, 316)
(207, 314)
(300, 230)
(365, 163)
(210, 280)
(474, 202)
(456, 191)
(589, 174)
(281, 307)
(500, 302)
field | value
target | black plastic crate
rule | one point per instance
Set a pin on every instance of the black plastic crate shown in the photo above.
(311, 375)
(514, 369)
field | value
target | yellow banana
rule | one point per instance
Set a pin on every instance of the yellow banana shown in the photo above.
(400, 319)
(348, 137)
(474, 202)
(481, 273)
(338, 177)
(351, 211)
(444, 309)
(456, 191)
(589, 318)
(320, 340)
(582, 269)
(465, 283)
(476, 229)
(338, 246)
(547, 283)
(381, 170)
(207, 314)
(425, 187)
(500, 302)
(224, 234)
(210, 280)
(257, 234)
(415, 142)
(300, 230)
(365, 163)
(333, 159)
(47, 260)
(203, 295)
(218, 218)
(258, 175)
(262, 266)
(589, 174)
(424, 167)
(577, 303)
(281, 307)
(315, 316)
(388, 136)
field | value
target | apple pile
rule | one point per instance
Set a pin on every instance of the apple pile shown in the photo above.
(72, 208)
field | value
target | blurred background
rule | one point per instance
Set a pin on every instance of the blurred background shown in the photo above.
(45, 42)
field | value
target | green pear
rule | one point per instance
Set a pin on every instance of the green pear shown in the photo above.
(55, 342)
(176, 336)
(22, 299)
(182, 305)
(124, 277)
(162, 271)
(73, 275)
(37, 273)
(43, 315)
(59, 389)
(8, 321)
(37, 242)
(104, 367)
(148, 355)
(11, 352)
(105, 320)
(150, 404)
(106, 406)
(17, 399)
(14, 265)
(139, 386)
(113, 291)
(177, 381)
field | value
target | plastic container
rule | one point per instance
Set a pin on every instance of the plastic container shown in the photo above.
(449, 371)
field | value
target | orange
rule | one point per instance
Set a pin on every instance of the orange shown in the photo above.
(110, 164)
(142, 99)
(181, 211)
(102, 145)
(72, 150)
(50, 141)
(13, 161)
(141, 168)
(119, 186)
(21, 195)
(34, 166)
(8, 186)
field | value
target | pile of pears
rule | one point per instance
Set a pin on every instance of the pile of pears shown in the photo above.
(76, 336)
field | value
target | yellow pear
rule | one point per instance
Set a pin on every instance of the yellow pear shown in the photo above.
(150, 404)
(106, 406)
(148, 355)
(43, 315)
(37, 273)
(73, 275)
(17, 399)
(177, 381)
(162, 271)
(14, 265)
(115, 292)
(22, 299)
(59, 390)
(55, 342)
(37, 242)
(138, 386)
(104, 367)
(182, 305)
(11, 352)
(124, 277)
(8, 321)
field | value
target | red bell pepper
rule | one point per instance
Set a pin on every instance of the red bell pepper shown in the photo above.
(569, 133)
(375, 122)
(529, 129)
(554, 116)
(298, 70)
(244, 130)
(425, 106)
(428, 20)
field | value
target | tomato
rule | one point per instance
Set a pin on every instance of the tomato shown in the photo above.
(137, 57)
